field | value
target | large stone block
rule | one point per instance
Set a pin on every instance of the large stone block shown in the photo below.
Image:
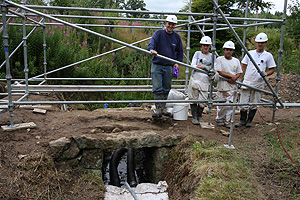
(92, 158)
(64, 149)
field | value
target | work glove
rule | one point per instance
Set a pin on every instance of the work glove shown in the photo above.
(206, 68)
(175, 72)
(216, 77)
(206, 62)
(263, 73)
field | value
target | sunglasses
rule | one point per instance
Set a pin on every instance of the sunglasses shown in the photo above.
(228, 50)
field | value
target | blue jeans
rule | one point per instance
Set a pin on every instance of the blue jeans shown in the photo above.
(161, 78)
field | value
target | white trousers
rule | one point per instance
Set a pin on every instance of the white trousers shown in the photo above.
(224, 112)
(195, 94)
(249, 96)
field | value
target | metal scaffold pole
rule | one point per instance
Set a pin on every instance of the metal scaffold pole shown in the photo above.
(188, 48)
(8, 74)
(44, 48)
(25, 53)
(211, 71)
(280, 51)
(245, 28)
(27, 11)
(19, 45)
(102, 36)
(247, 52)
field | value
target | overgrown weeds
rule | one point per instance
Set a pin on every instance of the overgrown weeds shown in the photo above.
(207, 171)
(37, 177)
(283, 149)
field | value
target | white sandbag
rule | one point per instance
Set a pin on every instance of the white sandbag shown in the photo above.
(175, 95)
(144, 191)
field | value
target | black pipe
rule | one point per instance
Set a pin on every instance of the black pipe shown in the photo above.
(131, 168)
(113, 167)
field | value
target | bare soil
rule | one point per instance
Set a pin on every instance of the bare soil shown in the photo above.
(57, 123)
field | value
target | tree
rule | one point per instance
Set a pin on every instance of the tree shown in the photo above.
(231, 7)
(136, 5)
(204, 6)
(293, 20)
(89, 3)
(254, 5)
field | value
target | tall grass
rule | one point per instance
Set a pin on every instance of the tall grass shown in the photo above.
(208, 171)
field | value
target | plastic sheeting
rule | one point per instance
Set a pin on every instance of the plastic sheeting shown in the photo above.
(175, 95)
(143, 191)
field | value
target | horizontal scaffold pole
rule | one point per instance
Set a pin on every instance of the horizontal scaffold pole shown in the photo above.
(100, 35)
(121, 42)
(21, 43)
(114, 10)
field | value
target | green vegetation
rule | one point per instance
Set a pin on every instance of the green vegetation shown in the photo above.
(207, 170)
(280, 162)
(214, 172)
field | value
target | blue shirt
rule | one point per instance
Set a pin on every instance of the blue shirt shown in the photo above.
(169, 45)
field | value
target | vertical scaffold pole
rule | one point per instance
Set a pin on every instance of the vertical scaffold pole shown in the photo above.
(25, 52)
(211, 72)
(245, 28)
(188, 48)
(280, 51)
(44, 48)
(8, 74)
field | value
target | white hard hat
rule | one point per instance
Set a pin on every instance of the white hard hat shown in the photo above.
(261, 37)
(229, 45)
(171, 18)
(205, 40)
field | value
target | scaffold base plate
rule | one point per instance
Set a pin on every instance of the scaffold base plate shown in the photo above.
(206, 125)
(18, 126)
(229, 146)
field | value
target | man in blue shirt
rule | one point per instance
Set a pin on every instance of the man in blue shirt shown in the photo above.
(165, 42)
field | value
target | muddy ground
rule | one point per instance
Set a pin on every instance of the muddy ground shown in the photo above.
(57, 123)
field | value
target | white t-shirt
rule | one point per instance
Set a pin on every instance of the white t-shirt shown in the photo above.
(198, 79)
(233, 67)
(264, 60)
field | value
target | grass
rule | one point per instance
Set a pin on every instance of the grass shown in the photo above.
(37, 177)
(223, 174)
(281, 166)
(206, 170)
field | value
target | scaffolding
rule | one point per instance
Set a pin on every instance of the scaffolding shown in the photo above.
(209, 19)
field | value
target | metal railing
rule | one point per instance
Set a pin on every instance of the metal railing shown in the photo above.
(29, 10)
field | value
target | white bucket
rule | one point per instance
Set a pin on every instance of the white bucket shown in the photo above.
(180, 111)
(170, 110)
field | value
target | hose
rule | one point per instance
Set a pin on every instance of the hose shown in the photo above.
(131, 191)
(130, 168)
(113, 167)
(281, 142)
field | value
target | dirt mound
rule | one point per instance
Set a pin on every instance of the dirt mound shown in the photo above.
(289, 87)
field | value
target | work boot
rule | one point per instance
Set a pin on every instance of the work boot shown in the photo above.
(227, 125)
(199, 113)
(242, 119)
(194, 114)
(158, 106)
(250, 118)
(220, 122)
(164, 96)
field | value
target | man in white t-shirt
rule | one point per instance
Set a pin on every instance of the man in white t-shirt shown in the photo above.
(229, 67)
(264, 60)
(199, 82)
